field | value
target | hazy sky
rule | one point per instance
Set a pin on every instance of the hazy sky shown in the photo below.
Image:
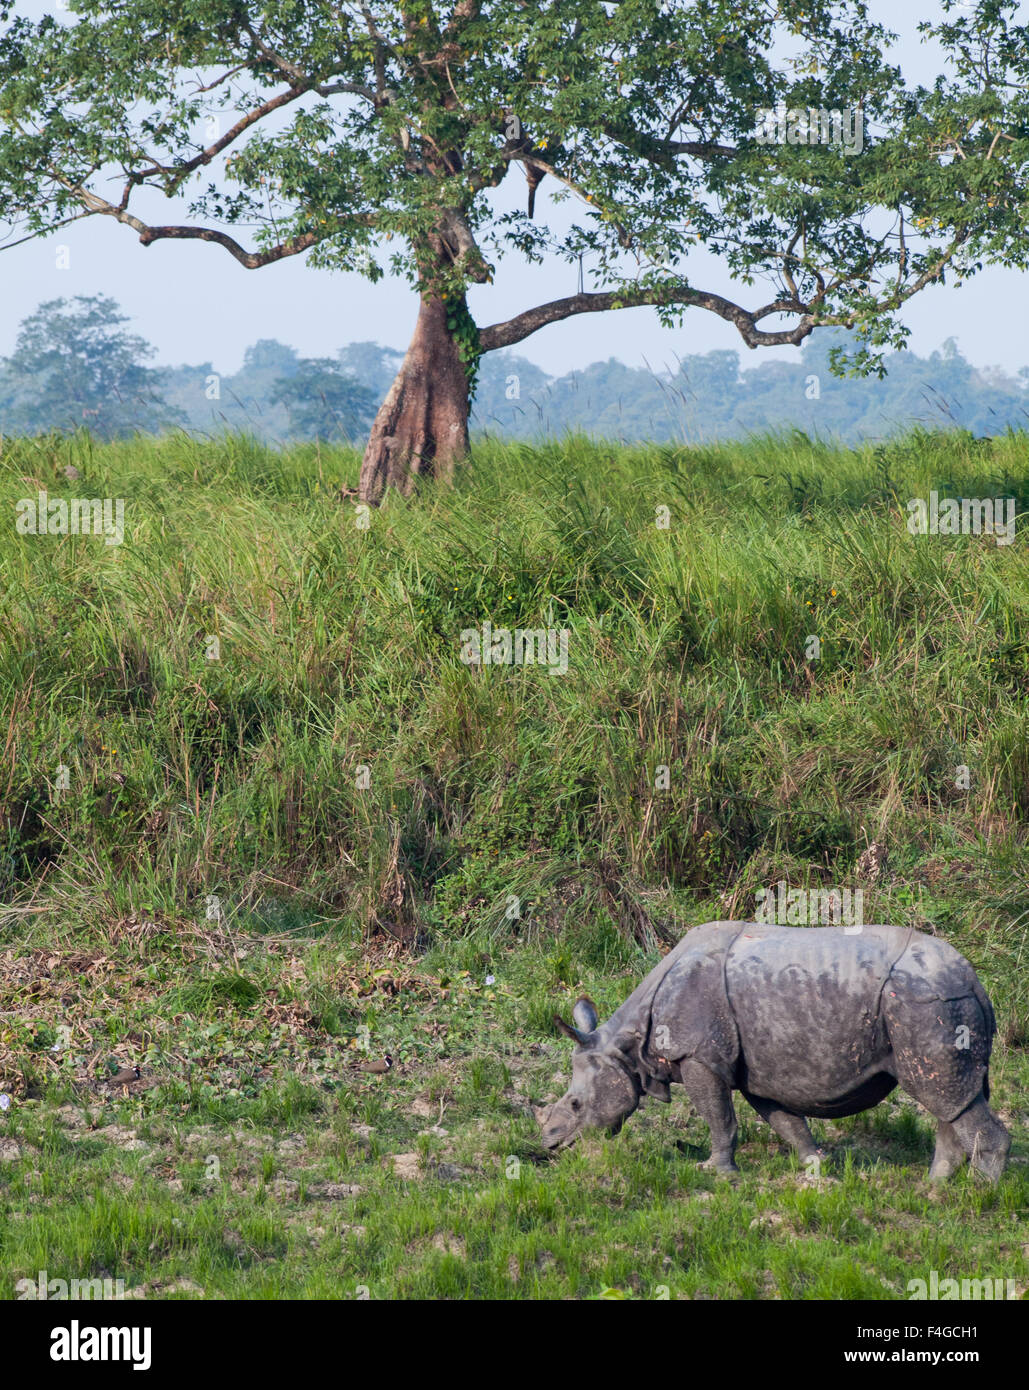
(195, 303)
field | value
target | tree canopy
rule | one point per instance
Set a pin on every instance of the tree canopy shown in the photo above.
(324, 402)
(75, 366)
(375, 134)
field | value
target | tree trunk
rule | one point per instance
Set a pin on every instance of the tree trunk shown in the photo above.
(421, 429)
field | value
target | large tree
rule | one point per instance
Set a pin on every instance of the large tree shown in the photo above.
(74, 366)
(322, 401)
(355, 133)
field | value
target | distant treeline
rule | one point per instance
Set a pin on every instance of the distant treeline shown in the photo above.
(75, 365)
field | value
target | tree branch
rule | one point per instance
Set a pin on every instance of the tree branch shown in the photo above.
(663, 152)
(524, 154)
(463, 14)
(500, 335)
(179, 172)
(461, 246)
(276, 59)
(356, 89)
(251, 260)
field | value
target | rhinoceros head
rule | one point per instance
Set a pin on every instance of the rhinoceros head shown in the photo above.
(603, 1092)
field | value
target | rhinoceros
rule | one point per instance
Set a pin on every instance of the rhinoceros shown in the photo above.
(819, 1021)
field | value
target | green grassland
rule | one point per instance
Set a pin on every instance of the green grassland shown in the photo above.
(327, 837)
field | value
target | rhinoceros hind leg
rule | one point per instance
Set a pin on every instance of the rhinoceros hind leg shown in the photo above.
(792, 1129)
(949, 1154)
(983, 1138)
(713, 1100)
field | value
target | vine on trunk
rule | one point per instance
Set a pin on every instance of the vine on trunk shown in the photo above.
(463, 329)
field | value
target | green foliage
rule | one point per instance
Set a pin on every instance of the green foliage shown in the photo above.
(364, 142)
(499, 793)
(466, 335)
(280, 396)
(73, 366)
(706, 396)
(237, 777)
(322, 402)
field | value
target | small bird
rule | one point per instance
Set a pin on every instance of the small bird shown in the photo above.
(874, 863)
(124, 1076)
(377, 1067)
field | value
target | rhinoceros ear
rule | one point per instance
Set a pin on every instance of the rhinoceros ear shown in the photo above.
(584, 1015)
(583, 1039)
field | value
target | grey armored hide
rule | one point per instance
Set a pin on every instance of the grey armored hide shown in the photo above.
(820, 1019)
(801, 1021)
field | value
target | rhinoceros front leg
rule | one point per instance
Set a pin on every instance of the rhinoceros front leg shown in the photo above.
(793, 1129)
(714, 1105)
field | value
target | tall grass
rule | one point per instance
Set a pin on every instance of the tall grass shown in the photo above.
(339, 650)
(199, 898)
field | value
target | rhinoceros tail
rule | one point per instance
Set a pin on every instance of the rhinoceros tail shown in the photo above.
(987, 1008)
(991, 1026)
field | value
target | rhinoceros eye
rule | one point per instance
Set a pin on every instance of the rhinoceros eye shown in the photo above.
(576, 1103)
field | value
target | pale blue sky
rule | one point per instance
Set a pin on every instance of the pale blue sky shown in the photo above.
(195, 303)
